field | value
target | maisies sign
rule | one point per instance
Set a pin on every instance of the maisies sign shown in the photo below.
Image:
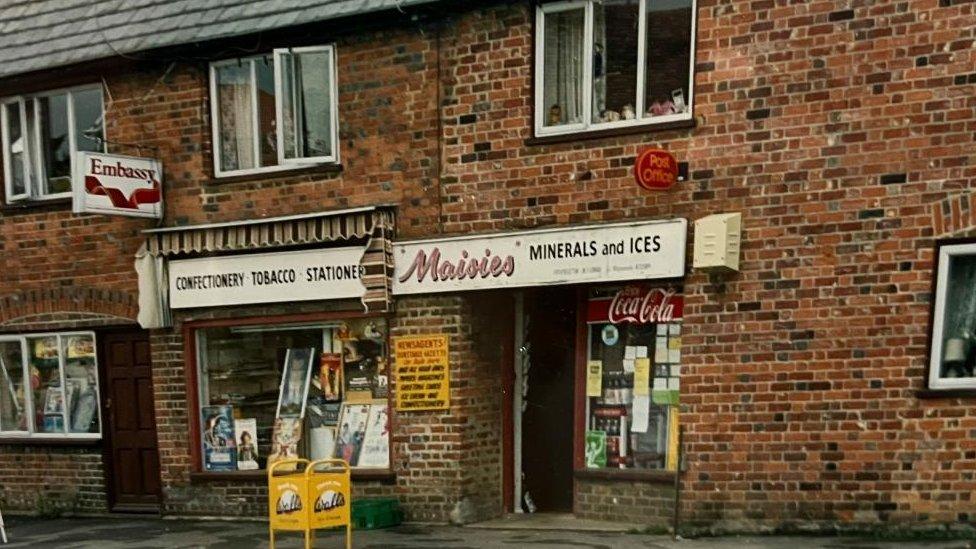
(571, 255)
(637, 305)
(113, 184)
(656, 170)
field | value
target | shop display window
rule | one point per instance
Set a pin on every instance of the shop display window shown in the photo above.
(49, 386)
(952, 364)
(313, 391)
(633, 378)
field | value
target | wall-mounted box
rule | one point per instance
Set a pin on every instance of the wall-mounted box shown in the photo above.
(717, 240)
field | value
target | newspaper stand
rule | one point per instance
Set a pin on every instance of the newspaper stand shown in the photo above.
(305, 496)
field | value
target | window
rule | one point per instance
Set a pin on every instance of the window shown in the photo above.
(605, 64)
(633, 374)
(41, 136)
(953, 347)
(49, 386)
(268, 391)
(292, 89)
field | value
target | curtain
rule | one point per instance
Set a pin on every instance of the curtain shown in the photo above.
(236, 117)
(154, 311)
(563, 68)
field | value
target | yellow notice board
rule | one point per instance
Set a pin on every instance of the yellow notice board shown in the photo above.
(332, 500)
(288, 494)
(422, 372)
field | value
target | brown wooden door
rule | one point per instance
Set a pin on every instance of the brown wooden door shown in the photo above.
(133, 457)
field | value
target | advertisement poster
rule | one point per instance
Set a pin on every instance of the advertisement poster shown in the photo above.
(46, 348)
(596, 449)
(330, 376)
(422, 371)
(352, 430)
(594, 378)
(295, 379)
(322, 443)
(218, 438)
(245, 432)
(376, 444)
(285, 437)
(80, 347)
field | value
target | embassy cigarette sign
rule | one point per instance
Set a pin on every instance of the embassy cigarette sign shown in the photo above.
(114, 184)
(570, 255)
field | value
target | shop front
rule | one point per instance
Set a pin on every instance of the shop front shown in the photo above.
(592, 323)
(271, 341)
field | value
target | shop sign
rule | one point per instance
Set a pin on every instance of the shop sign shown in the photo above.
(114, 184)
(332, 498)
(422, 370)
(637, 305)
(289, 496)
(306, 275)
(656, 170)
(570, 255)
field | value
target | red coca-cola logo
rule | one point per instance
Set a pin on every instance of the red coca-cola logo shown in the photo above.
(638, 305)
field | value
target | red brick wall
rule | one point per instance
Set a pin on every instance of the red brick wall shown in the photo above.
(838, 133)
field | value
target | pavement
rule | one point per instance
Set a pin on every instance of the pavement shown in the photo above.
(152, 533)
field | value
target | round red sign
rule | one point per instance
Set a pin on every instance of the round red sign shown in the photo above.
(656, 170)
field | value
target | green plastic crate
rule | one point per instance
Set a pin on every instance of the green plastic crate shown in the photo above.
(369, 514)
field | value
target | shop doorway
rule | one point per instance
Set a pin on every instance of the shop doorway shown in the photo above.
(131, 453)
(548, 326)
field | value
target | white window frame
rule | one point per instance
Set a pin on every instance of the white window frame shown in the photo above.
(541, 130)
(29, 407)
(943, 263)
(279, 103)
(33, 162)
(283, 164)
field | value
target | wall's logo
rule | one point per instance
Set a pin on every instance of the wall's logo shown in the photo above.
(329, 500)
(289, 502)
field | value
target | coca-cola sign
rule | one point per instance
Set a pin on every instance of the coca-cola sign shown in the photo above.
(637, 305)
(641, 250)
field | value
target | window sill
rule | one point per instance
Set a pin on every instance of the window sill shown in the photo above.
(925, 394)
(48, 441)
(610, 132)
(646, 475)
(198, 477)
(275, 174)
(36, 205)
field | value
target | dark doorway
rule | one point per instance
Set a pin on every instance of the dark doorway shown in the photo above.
(131, 444)
(547, 422)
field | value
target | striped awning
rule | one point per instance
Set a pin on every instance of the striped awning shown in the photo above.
(374, 224)
(275, 232)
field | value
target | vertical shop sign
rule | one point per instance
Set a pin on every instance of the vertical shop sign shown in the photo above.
(422, 367)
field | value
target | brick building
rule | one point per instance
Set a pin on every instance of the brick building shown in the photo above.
(826, 382)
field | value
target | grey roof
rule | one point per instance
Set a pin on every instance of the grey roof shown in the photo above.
(42, 34)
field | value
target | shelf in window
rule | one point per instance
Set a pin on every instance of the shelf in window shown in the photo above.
(645, 475)
(262, 474)
(581, 135)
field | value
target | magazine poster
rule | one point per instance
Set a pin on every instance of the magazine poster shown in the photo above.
(322, 443)
(330, 376)
(218, 438)
(286, 435)
(53, 401)
(376, 441)
(246, 435)
(596, 449)
(352, 429)
(295, 377)
(80, 347)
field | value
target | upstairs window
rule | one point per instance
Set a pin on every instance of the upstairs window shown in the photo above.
(42, 134)
(605, 64)
(292, 89)
(952, 362)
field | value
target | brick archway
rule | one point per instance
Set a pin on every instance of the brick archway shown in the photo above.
(954, 215)
(74, 306)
